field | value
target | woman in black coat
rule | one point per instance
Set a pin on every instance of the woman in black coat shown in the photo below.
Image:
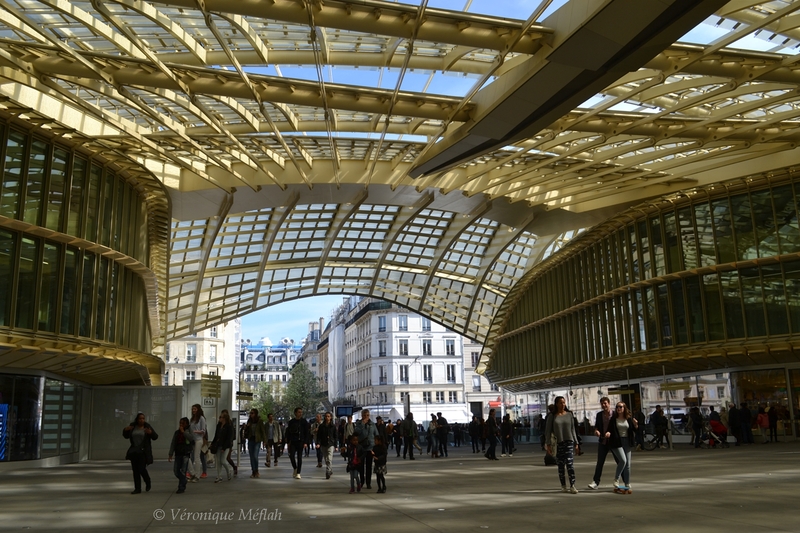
(140, 453)
(222, 444)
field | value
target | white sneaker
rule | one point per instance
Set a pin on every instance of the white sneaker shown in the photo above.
(502, 455)
(593, 485)
(617, 483)
(564, 488)
(297, 476)
(573, 490)
(294, 472)
(511, 455)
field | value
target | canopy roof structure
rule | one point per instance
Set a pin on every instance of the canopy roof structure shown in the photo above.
(425, 154)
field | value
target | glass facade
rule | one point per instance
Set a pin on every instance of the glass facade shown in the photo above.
(705, 268)
(38, 417)
(63, 284)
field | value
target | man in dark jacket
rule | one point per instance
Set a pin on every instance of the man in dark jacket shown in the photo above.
(326, 440)
(602, 432)
(442, 432)
(366, 431)
(297, 434)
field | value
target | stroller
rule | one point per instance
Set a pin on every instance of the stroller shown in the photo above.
(716, 434)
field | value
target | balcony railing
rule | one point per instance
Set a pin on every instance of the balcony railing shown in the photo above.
(382, 381)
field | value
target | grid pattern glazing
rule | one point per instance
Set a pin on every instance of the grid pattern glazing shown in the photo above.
(652, 296)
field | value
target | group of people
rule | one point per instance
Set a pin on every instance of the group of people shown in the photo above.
(616, 433)
(188, 449)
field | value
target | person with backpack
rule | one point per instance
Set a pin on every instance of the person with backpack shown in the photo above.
(181, 448)
(297, 435)
(366, 431)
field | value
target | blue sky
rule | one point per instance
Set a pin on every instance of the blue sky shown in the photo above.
(289, 319)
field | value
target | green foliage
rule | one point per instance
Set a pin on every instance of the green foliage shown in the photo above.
(268, 397)
(302, 390)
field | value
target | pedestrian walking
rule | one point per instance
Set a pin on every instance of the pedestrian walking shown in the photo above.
(181, 448)
(140, 452)
(621, 440)
(561, 424)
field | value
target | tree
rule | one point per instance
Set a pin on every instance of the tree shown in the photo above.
(269, 398)
(302, 391)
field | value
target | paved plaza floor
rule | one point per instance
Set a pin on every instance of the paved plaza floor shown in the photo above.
(748, 489)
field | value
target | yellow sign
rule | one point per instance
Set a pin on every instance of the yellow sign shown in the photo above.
(210, 386)
(675, 386)
(621, 391)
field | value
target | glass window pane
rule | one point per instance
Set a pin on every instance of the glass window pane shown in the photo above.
(76, 196)
(657, 246)
(705, 235)
(726, 249)
(12, 174)
(69, 292)
(792, 275)
(37, 163)
(108, 208)
(92, 197)
(753, 302)
(7, 261)
(672, 247)
(695, 309)
(713, 301)
(775, 300)
(742, 219)
(100, 322)
(55, 191)
(644, 248)
(26, 285)
(732, 303)
(87, 295)
(765, 228)
(663, 315)
(786, 218)
(651, 318)
(688, 238)
(48, 297)
(678, 312)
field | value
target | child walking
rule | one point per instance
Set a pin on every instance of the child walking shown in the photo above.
(181, 448)
(355, 463)
(379, 452)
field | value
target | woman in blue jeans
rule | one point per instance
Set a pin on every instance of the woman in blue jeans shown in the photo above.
(623, 438)
(255, 434)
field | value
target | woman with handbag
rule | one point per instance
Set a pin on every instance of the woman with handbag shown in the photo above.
(222, 444)
(140, 453)
(562, 424)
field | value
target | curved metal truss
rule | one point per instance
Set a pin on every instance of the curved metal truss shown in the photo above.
(237, 100)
